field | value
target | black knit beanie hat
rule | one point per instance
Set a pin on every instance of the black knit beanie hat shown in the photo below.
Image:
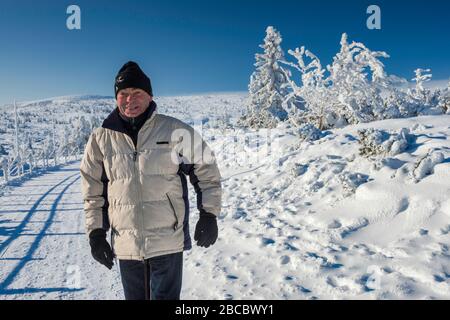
(131, 76)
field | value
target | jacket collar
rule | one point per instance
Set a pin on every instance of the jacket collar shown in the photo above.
(115, 123)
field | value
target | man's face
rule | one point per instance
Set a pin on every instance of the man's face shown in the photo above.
(132, 102)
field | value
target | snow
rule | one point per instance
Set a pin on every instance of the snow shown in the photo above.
(426, 165)
(44, 250)
(301, 219)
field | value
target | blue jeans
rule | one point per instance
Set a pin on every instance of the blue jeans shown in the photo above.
(164, 274)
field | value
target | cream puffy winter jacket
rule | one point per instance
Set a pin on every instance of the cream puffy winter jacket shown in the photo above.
(140, 192)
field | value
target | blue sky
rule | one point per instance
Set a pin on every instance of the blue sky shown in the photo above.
(196, 46)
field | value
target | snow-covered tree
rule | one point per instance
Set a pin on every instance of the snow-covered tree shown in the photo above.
(267, 86)
(47, 149)
(28, 152)
(420, 80)
(308, 102)
(16, 130)
(64, 148)
(423, 101)
(350, 92)
(81, 133)
(444, 100)
(94, 121)
(357, 97)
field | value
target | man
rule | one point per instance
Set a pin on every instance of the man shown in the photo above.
(134, 182)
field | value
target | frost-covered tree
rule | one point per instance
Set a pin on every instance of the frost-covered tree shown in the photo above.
(28, 152)
(81, 132)
(64, 146)
(94, 122)
(354, 88)
(356, 95)
(16, 130)
(307, 102)
(54, 142)
(444, 100)
(420, 80)
(423, 101)
(351, 91)
(267, 88)
(47, 149)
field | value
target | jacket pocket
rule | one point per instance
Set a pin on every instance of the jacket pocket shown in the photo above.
(175, 212)
(159, 159)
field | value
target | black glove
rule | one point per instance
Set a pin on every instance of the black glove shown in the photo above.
(100, 249)
(206, 230)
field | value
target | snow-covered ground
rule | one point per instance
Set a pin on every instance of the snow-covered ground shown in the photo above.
(320, 221)
(300, 219)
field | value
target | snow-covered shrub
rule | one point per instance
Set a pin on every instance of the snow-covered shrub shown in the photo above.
(371, 141)
(376, 142)
(308, 132)
(425, 165)
(351, 181)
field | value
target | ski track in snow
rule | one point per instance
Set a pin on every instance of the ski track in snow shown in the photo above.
(44, 252)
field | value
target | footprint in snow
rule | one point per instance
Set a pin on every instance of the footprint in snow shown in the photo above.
(333, 157)
(228, 296)
(439, 278)
(350, 137)
(290, 247)
(267, 241)
(285, 260)
(303, 289)
(403, 205)
(360, 224)
(335, 225)
(232, 277)
(387, 270)
(445, 230)
(239, 214)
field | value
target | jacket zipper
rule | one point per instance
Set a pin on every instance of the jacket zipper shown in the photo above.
(138, 188)
(136, 170)
(140, 202)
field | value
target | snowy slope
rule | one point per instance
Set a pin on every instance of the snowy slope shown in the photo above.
(310, 219)
(320, 221)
